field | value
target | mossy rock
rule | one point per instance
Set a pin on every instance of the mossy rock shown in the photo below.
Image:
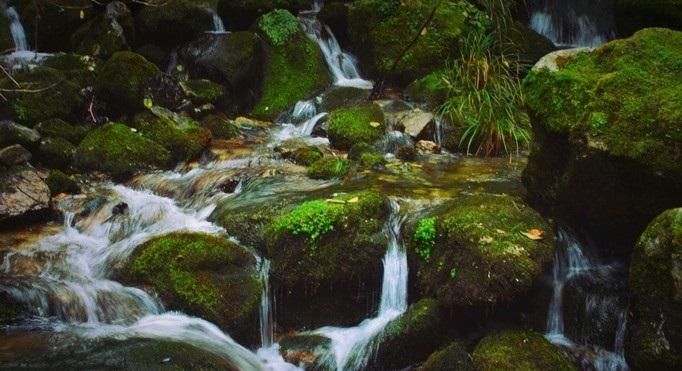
(406, 153)
(380, 30)
(13, 133)
(58, 182)
(307, 349)
(56, 153)
(654, 339)
(372, 159)
(202, 91)
(202, 274)
(600, 143)
(409, 338)
(121, 80)
(115, 149)
(241, 14)
(452, 357)
(220, 126)
(58, 128)
(471, 253)
(48, 94)
(357, 150)
(328, 168)
(184, 142)
(77, 68)
(294, 66)
(343, 97)
(430, 89)
(519, 350)
(633, 15)
(300, 152)
(51, 23)
(349, 126)
(101, 37)
(172, 23)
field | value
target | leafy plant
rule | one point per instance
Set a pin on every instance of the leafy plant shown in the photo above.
(312, 218)
(425, 236)
(279, 26)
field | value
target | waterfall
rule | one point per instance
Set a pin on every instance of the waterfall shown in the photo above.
(571, 262)
(16, 29)
(267, 331)
(304, 110)
(343, 66)
(218, 25)
(573, 23)
(352, 347)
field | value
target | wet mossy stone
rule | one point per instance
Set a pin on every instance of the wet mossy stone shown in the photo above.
(452, 357)
(106, 34)
(56, 153)
(654, 337)
(13, 133)
(519, 350)
(58, 128)
(77, 68)
(357, 150)
(343, 97)
(184, 140)
(220, 126)
(307, 349)
(58, 182)
(406, 153)
(241, 14)
(121, 80)
(294, 65)
(379, 31)
(117, 150)
(202, 274)
(471, 253)
(361, 124)
(430, 89)
(172, 23)
(202, 91)
(328, 168)
(600, 143)
(46, 93)
(409, 338)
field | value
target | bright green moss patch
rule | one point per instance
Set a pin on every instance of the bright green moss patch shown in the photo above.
(312, 218)
(202, 91)
(372, 159)
(203, 274)
(425, 237)
(185, 140)
(361, 124)
(519, 350)
(327, 168)
(279, 26)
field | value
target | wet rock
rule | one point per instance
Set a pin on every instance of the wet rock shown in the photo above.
(165, 91)
(121, 80)
(220, 126)
(343, 97)
(654, 338)
(202, 91)
(406, 153)
(300, 152)
(111, 31)
(452, 357)
(13, 133)
(59, 183)
(230, 185)
(14, 155)
(350, 126)
(428, 147)
(181, 136)
(57, 128)
(56, 153)
(417, 123)
(22, 191)
(306, 349)
(519, 350)
(119, 209)
(174, 23)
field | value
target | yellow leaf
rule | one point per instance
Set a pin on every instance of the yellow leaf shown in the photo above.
(534, 234)
(353, 200)
(374, 124)
(82, 14)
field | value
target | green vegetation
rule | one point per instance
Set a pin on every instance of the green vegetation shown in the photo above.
(279, 26)
(350, 126)
(425, 237)
(58, 128)
(372, 159)
(452, 357)
(121, 79)
(185, 140)
(56, 152)
(312, 219)
(202, 91)
(58, 182)
(328, 168)
(519, 350)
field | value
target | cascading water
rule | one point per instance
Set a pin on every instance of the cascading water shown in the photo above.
(573, 23)
(267, 332)
(352, 347)
(343, 66)
(572, 264)
(218, 25)
(16, 29)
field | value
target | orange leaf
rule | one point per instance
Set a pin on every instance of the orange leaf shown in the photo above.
(534, 234)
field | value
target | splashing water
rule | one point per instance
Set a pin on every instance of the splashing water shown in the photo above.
(218, 25)
(16, 29)
(573, 23)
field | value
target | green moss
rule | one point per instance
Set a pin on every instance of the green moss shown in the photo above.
(279, 26)
(58, 128)
(430, 89)
(100, 37)
(203, 274)
(406, 153)
(519, 350)
(293, 71)
(425, 238)
(185, 140)
(56, 152)
(305, 156)
(624, 98)
(58, 182)
(372, 159)
(220, 126)
(202, 91)
(77, 68)
(361, 124)
(452, 357)
(327, 168)
(121, 79)
(115, 149)
(357, 150)
(312, 219)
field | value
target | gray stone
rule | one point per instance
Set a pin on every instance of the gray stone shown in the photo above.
(13, 133)
(22, 190)
(14, 155)
(416, 122)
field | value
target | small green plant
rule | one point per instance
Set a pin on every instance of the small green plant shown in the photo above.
(279, 26)
(425, 236)
(312, 218)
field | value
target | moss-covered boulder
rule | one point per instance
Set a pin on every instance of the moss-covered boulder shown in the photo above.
(654, 339)
(201, 274)
(172, 23)
(328, 168)
(380, 31)
(452, 357)
(343, 97)
(45, 93)
(116, 149)
(101, 37)
(430, 89)
(56, 153)
(360, 124)
(220, 126)
(480, 250)
(519, 350)
(202, 91)
(633, 15)
(294, 65)
(241, 14)
(80, 69)
(607, 136)
(58, 128)
(121, 80)
(184, 140)
(13, 133)
(58, 182)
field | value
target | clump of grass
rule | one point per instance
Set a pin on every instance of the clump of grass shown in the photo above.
(279, 26)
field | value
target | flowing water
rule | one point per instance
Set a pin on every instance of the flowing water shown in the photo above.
(16, 29)
(573, 23)
(218, 25)
(573, 265)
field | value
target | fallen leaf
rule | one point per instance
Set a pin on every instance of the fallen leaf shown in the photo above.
(534, 234)
(353, 200)
(374, 124)
(500, 231)
(486, 240)
(335, 201)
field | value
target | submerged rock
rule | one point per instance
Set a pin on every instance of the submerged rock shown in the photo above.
(654, 339)
(22, 191)
(202, 274)
(519, 350)
(606, 155)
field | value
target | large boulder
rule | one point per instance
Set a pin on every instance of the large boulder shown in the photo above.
(380, 31)
(13, 133)
(360, 124)
(172, 23)
(241, 14)
(480, 250)
(184, 142)
(111, 31)
(118, 150)
(519, 350)
(294, 65)
(14, 155)
(202, 274)
(22, 192)
(452, 357)
(632, 15)
(654, 339)
(607, 136)
(121, 80)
